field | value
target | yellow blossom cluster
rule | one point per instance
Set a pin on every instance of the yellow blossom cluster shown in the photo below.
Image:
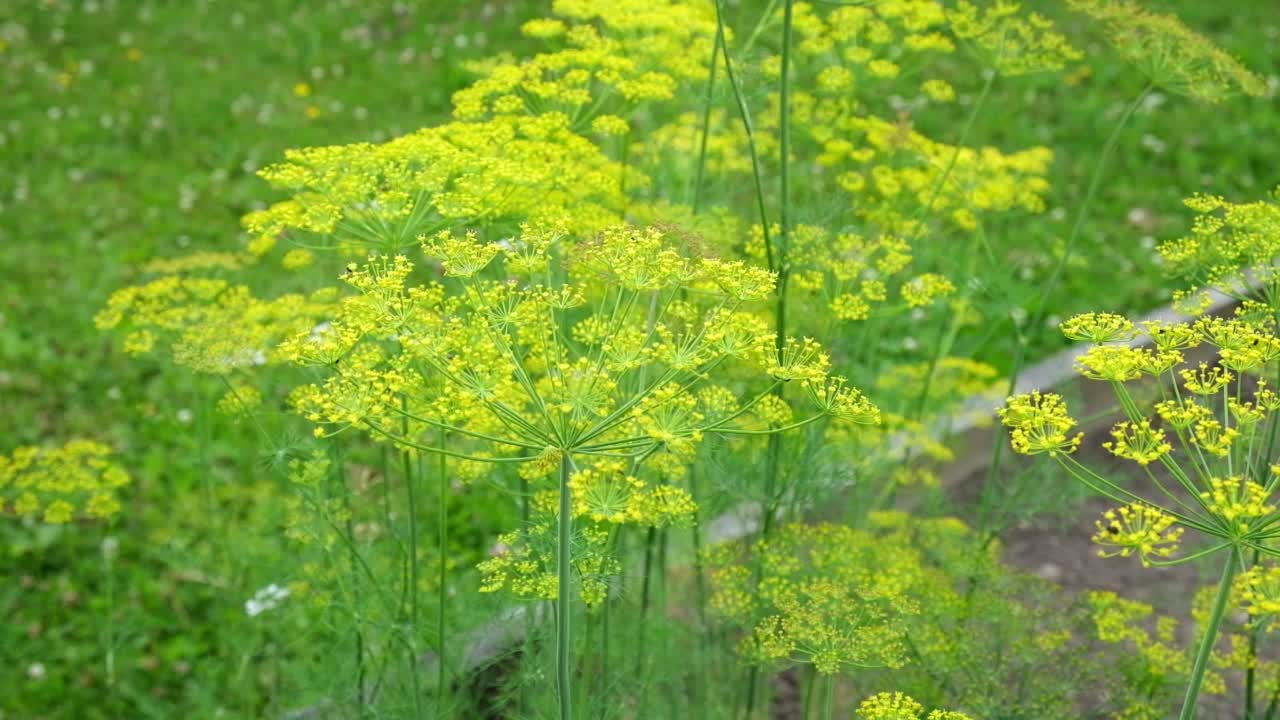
(1040, 423)
(510, 168)
(896, 706)
(608, 56)
(1138, 529)
(1119, 620)
(828, 595)
(1009, 42)
(211, 325)
(61, 484)
(1231, 246)
(1170, 54)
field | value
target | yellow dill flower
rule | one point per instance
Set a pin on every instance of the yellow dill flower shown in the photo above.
(828, 595)
(843, 402)
(544, 28)
(924, 289)
(1171, 336)
(849, 306)
(1237, 501)
(1170, 54)
(1011, 44)
(1039, 423)
(1138, 442)
(1114, 363)
(889, 706)
(1245, 413)
(799, 359)
(1261, 592)
(241, 399)
(938, 90)
(610, 125)
(61, 483)
(1158, 362)
(297, 259)
(1182, 414)
(461, 256)
(1137, 528)
(1230, 245)
(1099, 328)
(1209, 435)
(1266, 398)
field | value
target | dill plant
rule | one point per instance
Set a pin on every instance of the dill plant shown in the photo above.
(585, 367)
(602, 381)
(1211, 434)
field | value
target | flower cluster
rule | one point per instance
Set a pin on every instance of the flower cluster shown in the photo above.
(1040, 423)
(60, 484)
(1010, 44)
(604, 374)
(896, 706)
(828, 595)
(1170, 54)
(1137, 529)
(1231, 246)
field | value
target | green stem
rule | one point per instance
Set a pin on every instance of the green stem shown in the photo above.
(828, 699)
(650, 539)
(706, 119)
(412, 583)
(339, 481)
(1036, 318)
(563, 600)
(810, 679)
(1208, 638)
(442, 519)
(751, 141)
(1272, 706)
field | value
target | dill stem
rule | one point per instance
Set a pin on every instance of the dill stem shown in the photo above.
(780, 313)
(947, 332)
(410, 482)
(706, 116)
(1035, 320)
(563, 567)
(828, 698)
(1208, 638)
(650, 539)
(336, 476)
(745, 115)
(442, 519)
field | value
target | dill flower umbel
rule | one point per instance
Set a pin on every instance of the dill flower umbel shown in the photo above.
(1137, 528)
(1170, 54)
(606, 374)
(1138, 442)
(1012, 44)
(825, 594)
(1113, 363)
(60, 484)
(1237, 501)
(896, 706)
(1039, 423)
(1260, 590)
(1099, 328)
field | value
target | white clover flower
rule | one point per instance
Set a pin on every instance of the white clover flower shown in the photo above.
(268, 598)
